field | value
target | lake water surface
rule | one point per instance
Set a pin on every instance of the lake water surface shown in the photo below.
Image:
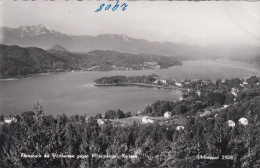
(74, 93)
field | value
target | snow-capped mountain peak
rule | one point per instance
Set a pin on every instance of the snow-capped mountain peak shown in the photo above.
(35, 30)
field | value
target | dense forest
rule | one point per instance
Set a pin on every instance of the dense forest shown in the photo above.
(16, 60)
(149, 79)
(145, 145)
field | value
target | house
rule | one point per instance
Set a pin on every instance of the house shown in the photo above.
(243, 121)
(179, 128)
(198, 92)
(178, 84)
(234, 91)
(9, 120)
(160, 81)
(231, 123)
(158, 66)
(146, 120)
(163, 81)
(100, 121)
(225, 106)
(205, 82)
(2, 123)
(167, 114)
(243, 84)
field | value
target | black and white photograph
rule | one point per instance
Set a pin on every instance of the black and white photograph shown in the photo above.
(121, 83)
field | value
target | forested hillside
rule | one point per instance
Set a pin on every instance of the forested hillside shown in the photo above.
(16, 60)
(123, 79)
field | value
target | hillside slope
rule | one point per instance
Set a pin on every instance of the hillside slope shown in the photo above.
(58, 48)
(256, 60)
(17, 60)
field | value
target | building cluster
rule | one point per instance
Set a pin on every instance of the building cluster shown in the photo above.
(242, 121)
(8, 120)
(160, 81)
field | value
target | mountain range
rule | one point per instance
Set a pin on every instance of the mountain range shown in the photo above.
(42, 37)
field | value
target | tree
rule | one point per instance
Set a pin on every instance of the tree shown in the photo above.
(98, 116)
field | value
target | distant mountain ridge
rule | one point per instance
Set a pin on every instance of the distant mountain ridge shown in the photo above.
(40, 36)
(58, 48)
(15, 60)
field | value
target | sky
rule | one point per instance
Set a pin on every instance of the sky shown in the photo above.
(195, 23)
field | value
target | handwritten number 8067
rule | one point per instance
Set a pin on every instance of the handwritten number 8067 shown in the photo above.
(114, 8)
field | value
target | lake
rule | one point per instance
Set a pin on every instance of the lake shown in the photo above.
(74, 93)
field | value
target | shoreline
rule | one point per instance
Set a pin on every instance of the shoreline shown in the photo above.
(138, 84)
